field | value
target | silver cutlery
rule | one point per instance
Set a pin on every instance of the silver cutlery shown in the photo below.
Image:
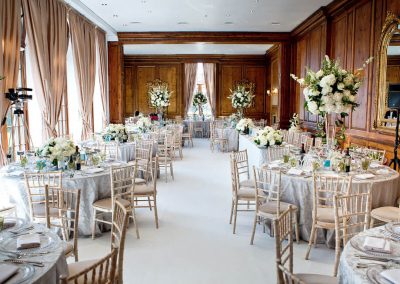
(19, 231)
(24, 261)
(368, 265)
(380, 259)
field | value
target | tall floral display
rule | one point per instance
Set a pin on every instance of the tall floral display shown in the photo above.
(159, 96)
(56, 150)
(199, 99)
(242, 96)
(331, 90)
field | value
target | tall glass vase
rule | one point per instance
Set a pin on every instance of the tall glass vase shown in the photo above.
(160, 117)
(329, 132)
(240, 113)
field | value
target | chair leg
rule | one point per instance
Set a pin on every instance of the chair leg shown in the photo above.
(337, 256)
(235, 216)
(312, 237)
(371, 223)
(296, 224)
(135, 223)
(148, 199)
(94, 224)
(254, 229)
(155, 211)
(171, 168)
(233, 204)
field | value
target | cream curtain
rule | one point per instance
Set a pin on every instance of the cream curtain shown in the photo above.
(83, 35)
(189, 84)
(10, 35)
(210, 79)
(47, 31)
(102, 70)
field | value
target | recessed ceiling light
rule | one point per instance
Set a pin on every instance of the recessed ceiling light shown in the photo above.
(275, 23)
(143, 1)
(228, 15)
(115, 16)
(149, 11)
(183, 23)
(257, 1)
(205, 16)
(125, 25)
(134, 23)
(251, 11)
(228, 23)
(104, 4)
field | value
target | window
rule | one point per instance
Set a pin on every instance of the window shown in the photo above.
(200, 86)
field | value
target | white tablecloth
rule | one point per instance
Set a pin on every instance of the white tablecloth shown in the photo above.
(205, 125)
(54, 262)
(257, 156)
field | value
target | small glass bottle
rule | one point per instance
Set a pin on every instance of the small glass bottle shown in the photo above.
(77, 159)
(347, 161)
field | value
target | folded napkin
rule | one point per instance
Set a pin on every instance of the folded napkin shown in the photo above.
(93, 170)
(393, 275)
(375, 165)
(295, 172)
(273, 166)
(383, 172)
(377, 245)
(8, 223)
(28, 241)
(276, 162)
(364, 176)
(6, 271)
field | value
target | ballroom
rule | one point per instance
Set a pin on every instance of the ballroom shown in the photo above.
(199, 141)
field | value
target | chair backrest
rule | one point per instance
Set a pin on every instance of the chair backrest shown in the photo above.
(318, 142)
(101, 272)
(326, 187)
(288, 277)
(352, 214)
(283, 228)
(143, 156)
(309, 143)
(118, 235)
(66, 202)
(242, 164)
(110, 150)
(285, 134)
(376, 155)
(35, 184)
(234, 176)
(268, 181)
(190, 127)
(123, 182)
(277, 152)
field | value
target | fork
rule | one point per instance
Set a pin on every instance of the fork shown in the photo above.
(23, 261)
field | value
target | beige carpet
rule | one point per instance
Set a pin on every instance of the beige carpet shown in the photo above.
(194, 243)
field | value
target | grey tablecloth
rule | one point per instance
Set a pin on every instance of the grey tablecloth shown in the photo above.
(54, 262)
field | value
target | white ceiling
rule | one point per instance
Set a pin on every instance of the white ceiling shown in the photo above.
(197, 48)
(203, 15)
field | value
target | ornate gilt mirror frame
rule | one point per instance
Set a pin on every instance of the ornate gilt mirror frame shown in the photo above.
(390, 27)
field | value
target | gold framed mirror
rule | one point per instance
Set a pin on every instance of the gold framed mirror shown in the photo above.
(388, 75)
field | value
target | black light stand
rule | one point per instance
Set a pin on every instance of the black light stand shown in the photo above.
(396, 161)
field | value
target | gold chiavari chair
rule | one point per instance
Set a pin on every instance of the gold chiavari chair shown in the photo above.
(101, 271)
(318, 142)
(242, 167)
(325, 187)
(241, 196)
(386, 214)
(198, 128)
(143, 158)
(178, 143)
(165, 155)
(110, 150)
(146, 194)
(277, 152)
(352, 216)
(376, 155)
(269, 206)
(189, 134)
(35, 186)
(309, 143)
(122, 188)
(283, 227)
(218, 138)
(66, 202)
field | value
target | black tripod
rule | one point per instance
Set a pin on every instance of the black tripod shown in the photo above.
(396, 161)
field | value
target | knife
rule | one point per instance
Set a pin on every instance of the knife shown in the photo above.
(23, 261)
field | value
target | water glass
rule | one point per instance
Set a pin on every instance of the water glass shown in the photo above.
(293, 162)
(285, 158)
(365, 162)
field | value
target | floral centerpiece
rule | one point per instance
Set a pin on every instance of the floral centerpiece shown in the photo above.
(159, 95)
(268, 136)
(115, 132)
(56, 149)
(233, 119)
(337, 160)
(199, 100)
(242, 96)
(144, 124)
(244, 125)
(294, 123)
(331, 89)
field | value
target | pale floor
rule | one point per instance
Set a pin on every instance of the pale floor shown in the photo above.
(194, 243)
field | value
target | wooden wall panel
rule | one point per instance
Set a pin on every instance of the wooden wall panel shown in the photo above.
(144, 75)
(129, 93)
(171, 75)
(229, 75)
(116, 82)
(257, 75)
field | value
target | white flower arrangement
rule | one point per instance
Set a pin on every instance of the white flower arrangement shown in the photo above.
(337, 159)
(56, 149)
(159, 95)
(143, 124)
(242, 95)
(295, 123)
(244, 124)
(268, 137)
(331, 89)
(115, 132)
(199, 99)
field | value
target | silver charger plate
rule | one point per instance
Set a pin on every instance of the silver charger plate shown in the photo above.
(357, 243)
(393, 228)
(19, 223)
(24, 275)
(373, 275)
(9, 245)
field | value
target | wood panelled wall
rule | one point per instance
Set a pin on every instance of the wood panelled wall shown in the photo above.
(139, 70)
(348, 31)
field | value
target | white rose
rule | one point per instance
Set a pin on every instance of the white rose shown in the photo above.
(319, 74)
(338, 97)
(312, 107)
(340, 86)
(326, 90)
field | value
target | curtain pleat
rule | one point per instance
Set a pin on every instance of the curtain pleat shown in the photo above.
(210, 79)
(10, 35)
(102, 70)
(47, 31)
(83, 35)
(189, 84)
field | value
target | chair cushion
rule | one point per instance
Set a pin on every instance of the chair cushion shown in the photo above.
(326, 214)
(106, 203)
(140, 180)
(317, 278)
(144, 189)
(386, 214)
(77, 267)
(68, 248)
(270, 207)
(246, 192)
(247, 183)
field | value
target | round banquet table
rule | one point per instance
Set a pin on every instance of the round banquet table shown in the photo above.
(298, 190)
(52, 255)
(93, 186)
(349, 272)
(205, 125)
(232, 135)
